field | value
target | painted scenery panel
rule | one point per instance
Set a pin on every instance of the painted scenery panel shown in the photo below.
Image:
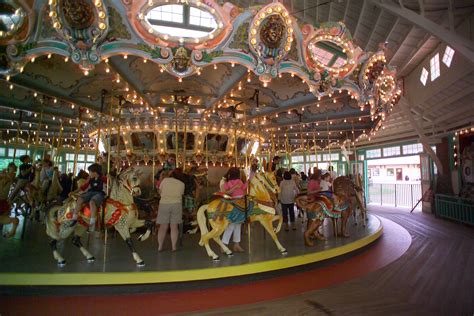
(171, 141)
(113, 142)
(143, 140)
(216, 142)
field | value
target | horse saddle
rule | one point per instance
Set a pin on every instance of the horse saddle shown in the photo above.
(222, 195)
(325, 199)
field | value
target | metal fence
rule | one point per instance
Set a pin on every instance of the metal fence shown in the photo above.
(395, 194)
(455, 208)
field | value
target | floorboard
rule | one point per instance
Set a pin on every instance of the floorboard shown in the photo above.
(434, 277)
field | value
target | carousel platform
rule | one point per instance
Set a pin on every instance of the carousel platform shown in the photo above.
(29, 261)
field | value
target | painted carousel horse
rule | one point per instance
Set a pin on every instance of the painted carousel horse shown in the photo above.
(6, 181)
(223, 211)
(24, 201)
(318, 207)
(335, 205)
(352, 193)
(120, 212)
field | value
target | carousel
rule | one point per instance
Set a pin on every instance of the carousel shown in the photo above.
(138, 87)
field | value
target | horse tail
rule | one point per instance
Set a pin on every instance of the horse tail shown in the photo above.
(51, 229)
(201, 219)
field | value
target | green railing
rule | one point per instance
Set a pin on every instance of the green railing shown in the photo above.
(455, 208)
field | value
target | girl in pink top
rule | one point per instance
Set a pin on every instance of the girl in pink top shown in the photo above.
(234, 185)
(235, 188)
(314, 185)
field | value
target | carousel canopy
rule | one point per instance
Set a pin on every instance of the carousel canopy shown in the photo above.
(288, 74)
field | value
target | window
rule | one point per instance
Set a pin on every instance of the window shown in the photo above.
(434, 67)
(170, 13)
(182, 21)
(412, 149)
(201, 18)
(361, 157)
(391, 151)
(373, 153)
(297, 159)
(390, 172)
(448, 56)
(2, 151)
(339, 62)
(312, 158)
(322, 55)
(19, 152)
(326, 157)
(334, 157)
(424, 76)
(90, 158)
(376, 172)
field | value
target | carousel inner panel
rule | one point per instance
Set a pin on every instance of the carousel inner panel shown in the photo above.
(228, 135)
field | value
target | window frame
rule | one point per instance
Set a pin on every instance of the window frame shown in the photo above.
(435, 72)
(448, 56)
(424, 76)
(185, 25)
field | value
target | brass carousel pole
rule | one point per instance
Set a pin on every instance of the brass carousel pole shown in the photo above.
(38, 129)
(235, 143)
(185, 138)
(60, 142)
(78, 142)
(176, 135)
(355, 153)
(315, 149)
(288, 154)
(17, 134)
(303, 147)
(102, 99)
(118, 130)
(109, 145)
(329, 144)
(53, 139)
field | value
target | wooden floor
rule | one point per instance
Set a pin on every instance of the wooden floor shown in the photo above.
(434, 277)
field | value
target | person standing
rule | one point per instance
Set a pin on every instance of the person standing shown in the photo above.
(236, 188)
(288, 192)
(170, 212)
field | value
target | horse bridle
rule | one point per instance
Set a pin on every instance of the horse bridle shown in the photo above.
(127, 185)
(267, 183)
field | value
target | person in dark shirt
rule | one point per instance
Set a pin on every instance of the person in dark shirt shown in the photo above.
(24, 176)
(92, 193)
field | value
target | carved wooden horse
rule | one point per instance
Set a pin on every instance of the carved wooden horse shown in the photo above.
(6, 180)
(120, 212)
(261, 207)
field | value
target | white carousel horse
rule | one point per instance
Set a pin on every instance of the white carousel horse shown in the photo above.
(120, 212)
(6, 181)
(261, 208)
